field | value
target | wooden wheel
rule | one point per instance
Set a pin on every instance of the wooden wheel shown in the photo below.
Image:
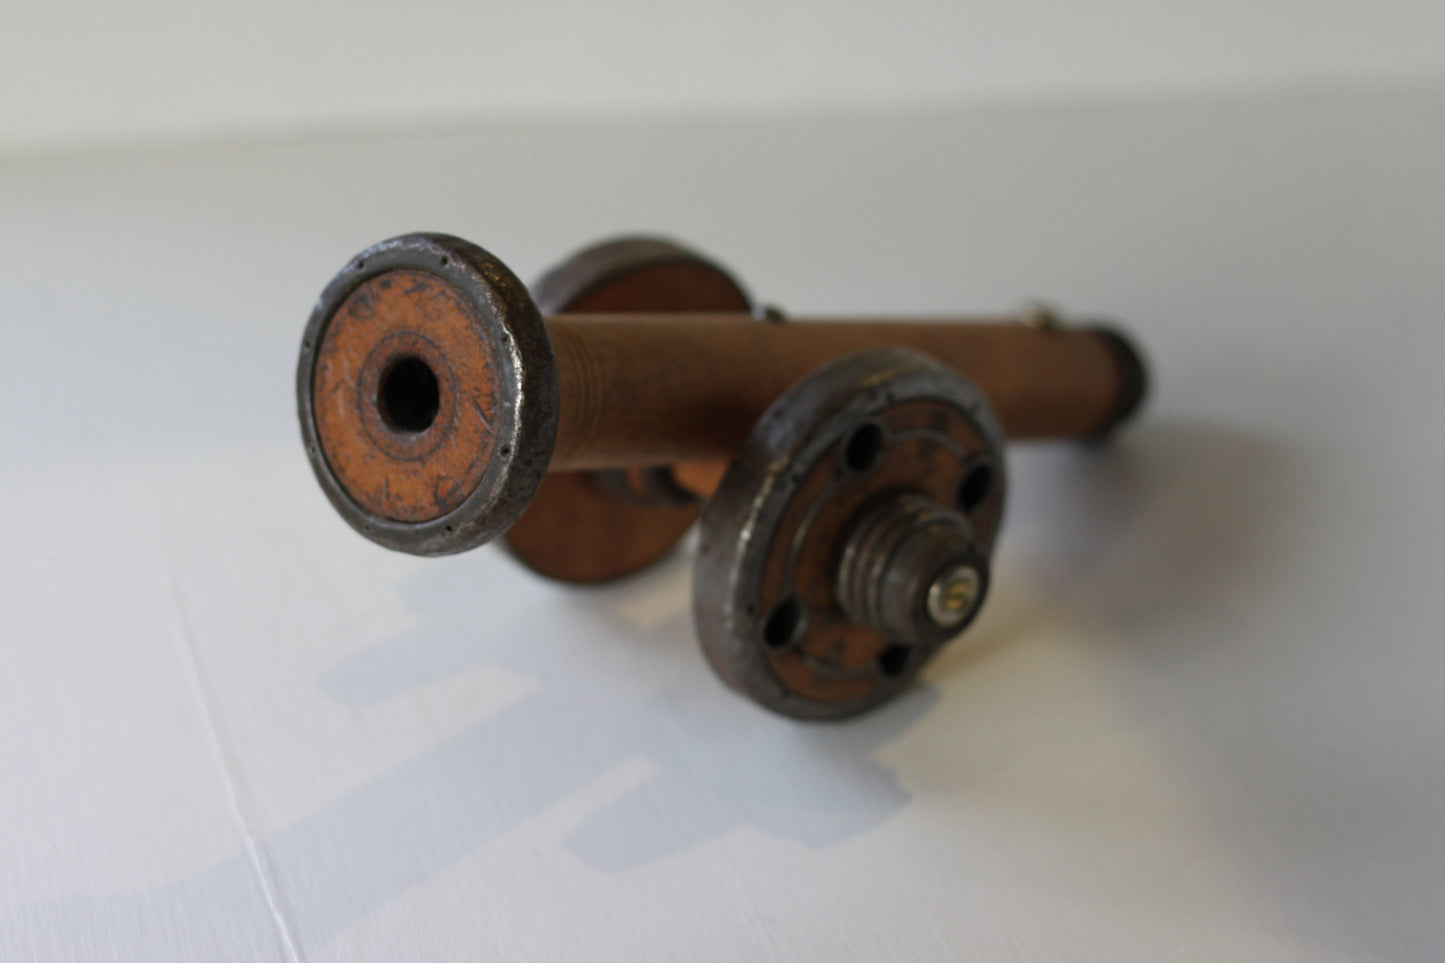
(602, 525)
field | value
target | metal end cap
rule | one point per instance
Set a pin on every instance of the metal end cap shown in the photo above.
(427, 394)
(1134, 381)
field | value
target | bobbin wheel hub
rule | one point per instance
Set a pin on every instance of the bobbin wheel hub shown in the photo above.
(851, 535)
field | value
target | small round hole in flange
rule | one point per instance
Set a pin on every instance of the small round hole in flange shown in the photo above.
(863, 447)
(893, 660)
(783, 623)
(973, 490)
(408, 396)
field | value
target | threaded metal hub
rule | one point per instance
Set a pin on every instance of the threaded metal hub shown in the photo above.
(911, 570)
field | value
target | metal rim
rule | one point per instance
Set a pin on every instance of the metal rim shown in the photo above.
(1134, 379)
(527, 429)
(590, 268)
(739, 523)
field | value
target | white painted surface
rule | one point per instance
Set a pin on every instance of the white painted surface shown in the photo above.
(92, 71)
(1199, 720)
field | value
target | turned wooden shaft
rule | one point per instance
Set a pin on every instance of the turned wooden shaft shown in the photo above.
(651, 390)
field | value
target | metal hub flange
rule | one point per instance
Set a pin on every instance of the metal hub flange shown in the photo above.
(851, 535)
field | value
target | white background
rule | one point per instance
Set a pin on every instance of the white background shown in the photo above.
(90, 71)
(1200, 718)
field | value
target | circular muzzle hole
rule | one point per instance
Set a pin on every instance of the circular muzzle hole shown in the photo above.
(408, 396)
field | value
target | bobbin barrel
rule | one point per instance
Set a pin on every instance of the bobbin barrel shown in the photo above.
(433, 395)
(638, 390)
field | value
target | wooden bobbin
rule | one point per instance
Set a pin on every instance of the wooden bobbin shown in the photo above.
(595, 526)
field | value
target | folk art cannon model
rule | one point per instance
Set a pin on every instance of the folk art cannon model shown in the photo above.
(848, 475)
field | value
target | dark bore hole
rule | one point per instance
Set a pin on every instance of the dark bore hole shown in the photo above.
(893, 660)
(864, 447)
(782, 624)
(974, 488)
(408, 395)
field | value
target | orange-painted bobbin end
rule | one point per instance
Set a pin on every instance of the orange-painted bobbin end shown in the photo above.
(427, 394)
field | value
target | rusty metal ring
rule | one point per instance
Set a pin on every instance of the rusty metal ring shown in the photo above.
(520, 425)
(762, 535)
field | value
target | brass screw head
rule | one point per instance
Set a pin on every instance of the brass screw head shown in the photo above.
(953, 595)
